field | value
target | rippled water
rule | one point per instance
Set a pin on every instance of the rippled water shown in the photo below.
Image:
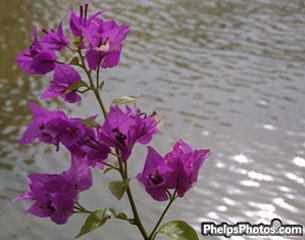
(226, 75)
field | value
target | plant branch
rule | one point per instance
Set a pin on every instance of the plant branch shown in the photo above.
(72, 49)
(109, 165)
(124, 175)
(122, 169)
(83, 91)
(98, 74)
(81, 209)
(172, 199)
(94, 88)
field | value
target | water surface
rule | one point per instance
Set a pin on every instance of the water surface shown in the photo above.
(225, 75)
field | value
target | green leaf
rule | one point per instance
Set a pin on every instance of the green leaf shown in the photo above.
(118, 188)
(75, 86)
(101, 85)
(179, 230)
(93, 221)
(74, 61)
(90, 123)
(124, 99)
(98, 219)
(112, 213)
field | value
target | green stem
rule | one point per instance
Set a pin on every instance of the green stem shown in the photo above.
(126, 170)
(135, 214)
(124, 175)
(109, 165)
(72, 49)
(99, 99)
(94, 88)
(172, 199)
(59, 62)
(83, 65)
(83, 91)
(122, 169)
(81, 209)
(98, 74)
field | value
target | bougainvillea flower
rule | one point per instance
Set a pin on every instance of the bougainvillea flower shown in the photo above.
(103, 40)
(39, 128)
(91, 149)
(155, 175)
(186, 164)
(56, 41)
(118, 131)
(80, 174)
(146, 125)
(105, 44)
(122, 130)
(56, 194)
(64, 77)
(35, 59)
(79, 22)
(177, 170)
(70, 131)
(96, 153)
(53, 127)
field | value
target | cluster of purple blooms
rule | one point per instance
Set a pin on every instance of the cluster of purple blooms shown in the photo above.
(102, 41)
(55, 195)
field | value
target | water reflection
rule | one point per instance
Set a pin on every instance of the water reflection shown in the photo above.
(228, 75)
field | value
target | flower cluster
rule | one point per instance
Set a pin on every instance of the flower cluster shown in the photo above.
(122, 130)
(56, 194)
(92, 144)
(177, 170)
(101, 40)
(89, 145)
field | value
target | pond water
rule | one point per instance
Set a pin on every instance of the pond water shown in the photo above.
(225, 75)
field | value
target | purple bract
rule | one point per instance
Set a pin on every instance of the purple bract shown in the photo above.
(35, 59)
(64, 77)
(105, 40)
(55, 127)
(56, 41)
(122, 130)
(79, 22)
(56, 194)
(177, 170)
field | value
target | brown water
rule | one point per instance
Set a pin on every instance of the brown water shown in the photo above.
(226, 75)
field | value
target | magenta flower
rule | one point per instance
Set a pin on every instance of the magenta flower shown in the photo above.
(155, 175)
(105, 44)
(122, 130)
(117, 131)
(177, 170)
(80, 174)
(69, 131)
(103, 40)
(56, 194)
(146, 125)
(56, 41)
(185, 163)
(79, 22)
(91, 149)
(35, 59)
(53, 127)
(64, 77)
(41, 128)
